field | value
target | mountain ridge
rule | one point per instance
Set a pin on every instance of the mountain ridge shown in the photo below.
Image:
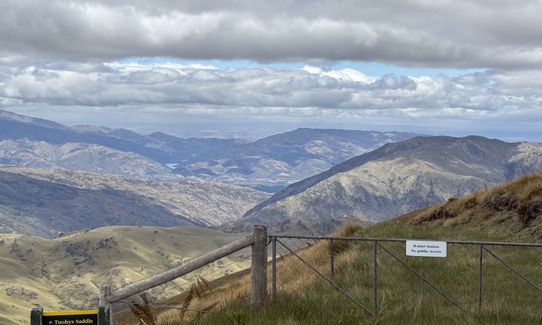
(271, 162)
(396, 178)
(287, 157)
(47, 202)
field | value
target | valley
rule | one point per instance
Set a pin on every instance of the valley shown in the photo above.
(82, 205)
(66, 272)
(47, 202)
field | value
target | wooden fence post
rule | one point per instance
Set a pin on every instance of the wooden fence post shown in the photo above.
(258, 274)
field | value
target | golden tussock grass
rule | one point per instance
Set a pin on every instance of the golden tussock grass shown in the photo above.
(520, 198)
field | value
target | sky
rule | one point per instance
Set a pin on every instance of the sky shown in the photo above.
(250, 68)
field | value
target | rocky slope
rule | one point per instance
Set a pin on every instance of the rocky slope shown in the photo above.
(47, 202)
(395, 179)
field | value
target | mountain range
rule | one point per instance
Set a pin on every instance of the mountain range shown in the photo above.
(329, 174)
(47, 202)
(394, 179)
(34, 142)
(287, 157)
(269, 163)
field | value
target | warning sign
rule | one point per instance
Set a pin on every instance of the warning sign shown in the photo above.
(426, 248)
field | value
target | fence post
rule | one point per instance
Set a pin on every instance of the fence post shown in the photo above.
(331, 258)
(35, 316)
(274, 268)
(258, 274)
(480, 278)
(375, 272)
(105, 311)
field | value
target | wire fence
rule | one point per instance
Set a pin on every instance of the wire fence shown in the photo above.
(374, 274)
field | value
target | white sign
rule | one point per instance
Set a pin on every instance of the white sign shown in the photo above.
(426, 248)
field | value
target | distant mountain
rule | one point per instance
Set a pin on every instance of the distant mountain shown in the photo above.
(269, 164)
(158, 147)
(47, 202)
(394, 179)
(285, 158)
(80, 156)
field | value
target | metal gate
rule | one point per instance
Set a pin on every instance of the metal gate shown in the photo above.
(483, 257)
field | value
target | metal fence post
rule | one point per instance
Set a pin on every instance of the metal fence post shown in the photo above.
(375, 272)
(331, 258)
(480, 277)
(274, 267)
(35, 316)
(105, 313)
(258, 274)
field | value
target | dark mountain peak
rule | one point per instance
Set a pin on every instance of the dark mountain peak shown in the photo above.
(305, 133)
(160, 135)
(435, 148)
(13, 117)
(87, 128)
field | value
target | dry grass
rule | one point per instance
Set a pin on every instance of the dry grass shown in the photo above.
(520, 199)
(144, 311)
(237, 288)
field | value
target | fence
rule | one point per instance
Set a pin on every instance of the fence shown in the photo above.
(376, 249)
(285, 249)
(257, 241)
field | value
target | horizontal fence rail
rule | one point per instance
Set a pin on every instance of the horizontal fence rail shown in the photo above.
(180, 270)
(402, 240)
(257, 240)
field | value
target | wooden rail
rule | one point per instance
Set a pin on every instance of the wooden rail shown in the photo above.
(258, 241)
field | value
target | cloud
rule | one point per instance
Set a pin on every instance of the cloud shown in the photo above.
(495, 34)
(282, 94)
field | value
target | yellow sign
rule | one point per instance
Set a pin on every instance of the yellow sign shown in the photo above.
(72, 317)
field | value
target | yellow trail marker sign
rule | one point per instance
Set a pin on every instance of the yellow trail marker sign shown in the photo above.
(71, 317)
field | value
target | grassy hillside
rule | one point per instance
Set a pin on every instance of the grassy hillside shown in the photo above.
(65, 272)
(507, 212)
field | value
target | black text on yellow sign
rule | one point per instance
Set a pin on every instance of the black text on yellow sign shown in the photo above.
(79, 317)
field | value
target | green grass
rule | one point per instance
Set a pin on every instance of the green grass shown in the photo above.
(402, 297)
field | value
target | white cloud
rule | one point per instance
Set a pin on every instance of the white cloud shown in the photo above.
(260, 92)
